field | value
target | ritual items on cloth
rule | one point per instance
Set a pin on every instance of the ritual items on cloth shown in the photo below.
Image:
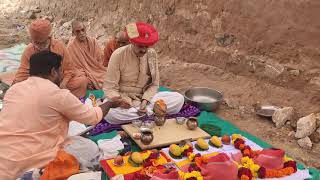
(268, 163)
(177, 152)
(217, 163)
(136, 165)
(103, 126)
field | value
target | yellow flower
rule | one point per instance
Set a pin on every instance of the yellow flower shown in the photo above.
(235, 136)
(286, 158)
(191, 156)
(193, 174)
(255, 167)
(245, 160)
(185, 147)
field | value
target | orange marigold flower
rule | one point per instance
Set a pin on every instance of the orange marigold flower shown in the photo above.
(241, 146)
(244, 177)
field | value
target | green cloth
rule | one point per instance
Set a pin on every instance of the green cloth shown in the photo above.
(97, 93)
(108, 135)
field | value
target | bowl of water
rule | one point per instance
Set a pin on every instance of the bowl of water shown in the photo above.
(205, 99)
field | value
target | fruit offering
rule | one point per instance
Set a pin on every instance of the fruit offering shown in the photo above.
(135, 159)
(216, 142)
(226, 139)
(202, 145)
(175, 150)
(118, 161)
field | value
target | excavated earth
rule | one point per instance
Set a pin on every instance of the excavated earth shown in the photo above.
(255, 52)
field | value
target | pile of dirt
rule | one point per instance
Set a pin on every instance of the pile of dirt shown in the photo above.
(256, 51)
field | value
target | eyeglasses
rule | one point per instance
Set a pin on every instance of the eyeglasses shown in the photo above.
(80, 30)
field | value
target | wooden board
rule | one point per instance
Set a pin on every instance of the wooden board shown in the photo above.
(169, 133)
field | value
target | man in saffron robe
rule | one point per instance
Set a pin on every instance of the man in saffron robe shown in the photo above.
(121, 39)
(40, 32)
(87, 58)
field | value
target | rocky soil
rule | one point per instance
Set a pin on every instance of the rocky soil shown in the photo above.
(255, 52)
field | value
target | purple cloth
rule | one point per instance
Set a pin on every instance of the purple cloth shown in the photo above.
(103, 127)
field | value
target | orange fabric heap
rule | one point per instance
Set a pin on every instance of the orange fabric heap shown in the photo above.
(40, 28)
(62, 167)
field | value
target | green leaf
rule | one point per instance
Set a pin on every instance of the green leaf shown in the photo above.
(198, 148)
(175, 157)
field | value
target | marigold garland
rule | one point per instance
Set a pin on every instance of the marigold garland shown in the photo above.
(190, 175)
(248, 169)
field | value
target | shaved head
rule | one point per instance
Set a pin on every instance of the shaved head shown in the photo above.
(122, 38)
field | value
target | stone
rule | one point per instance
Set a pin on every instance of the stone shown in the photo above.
(305, 143)
(316, 82)
(230, 103)
(32, 15)
(49, 18)
(291, 134)
(224, 40)
(315, 136)
(294, 72)
(273, 71)
(281, 116)
(306, 126)
(318, 120)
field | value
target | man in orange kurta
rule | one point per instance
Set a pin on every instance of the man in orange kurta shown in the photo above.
(36, 114)
(87, 57)
(41, 40)
(120, 40)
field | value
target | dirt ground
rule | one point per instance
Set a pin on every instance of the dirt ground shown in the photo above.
(236, 63)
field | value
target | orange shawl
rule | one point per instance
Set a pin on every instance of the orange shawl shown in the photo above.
(87, 58)
(110, 47)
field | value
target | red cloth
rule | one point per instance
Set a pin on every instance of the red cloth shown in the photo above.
(270, 158)
(173, 175)
(219, 167)
(40, 28)
(148, 35)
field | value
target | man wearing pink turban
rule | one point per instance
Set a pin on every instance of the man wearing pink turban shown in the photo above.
(40, 32)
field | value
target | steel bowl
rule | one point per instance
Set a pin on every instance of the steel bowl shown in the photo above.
(159, 120)
(205, 99)
(192, 123)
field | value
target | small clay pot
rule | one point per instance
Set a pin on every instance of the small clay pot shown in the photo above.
(146, 136)
(159, 120)
(192, 123)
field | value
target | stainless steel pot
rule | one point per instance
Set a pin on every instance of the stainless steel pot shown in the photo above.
(204, 98)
